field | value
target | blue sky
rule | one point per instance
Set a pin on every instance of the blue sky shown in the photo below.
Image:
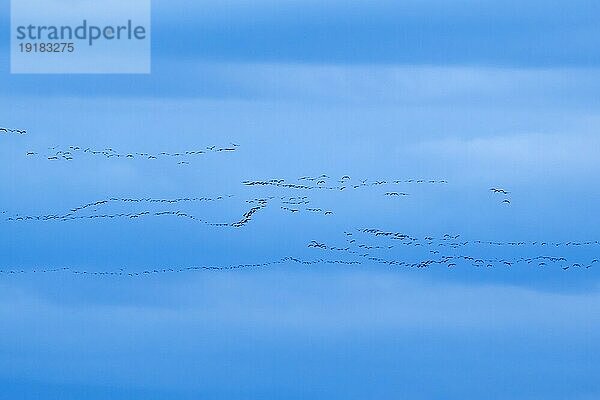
(480, 94)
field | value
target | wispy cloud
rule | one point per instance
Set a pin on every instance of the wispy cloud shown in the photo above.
(376, 85)
(153, 334)
(337, 302)
(513, 33)
(518, 156)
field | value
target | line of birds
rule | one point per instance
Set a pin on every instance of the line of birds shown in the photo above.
(503, 192)
(346, 179)
(69, 154)
(99, 203)
(247, 217)
(300, 204)
(295, 200)
(447, 261)
(294, 205)
(391, 194)
(309, 209)
(357, 249)
(5, 131)
(289, 204)
(452, 240)
(122, 272)
(321, 183)
(130, 216)
(149, 200)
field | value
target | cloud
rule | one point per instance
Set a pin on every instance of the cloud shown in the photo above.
(518, 156)
(430, 32)
(512, 33)
(259, 326)
(332, 302)
(327, 83)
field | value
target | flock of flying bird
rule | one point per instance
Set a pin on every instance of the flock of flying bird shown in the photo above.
(6, 131)
(94, 210)
(324, 182)
(289, 204)
(177, 269)
(357, 246)
(75, 213)
(362, 247)
(183, 158)
(501, 192)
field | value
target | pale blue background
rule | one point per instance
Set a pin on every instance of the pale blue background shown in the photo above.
(480, 93)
